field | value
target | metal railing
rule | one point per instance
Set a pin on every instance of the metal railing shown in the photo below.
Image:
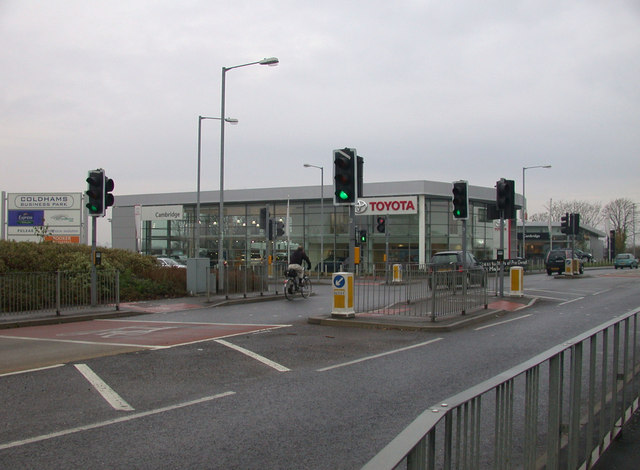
(560, 409)
(24, 293)
(417, 290)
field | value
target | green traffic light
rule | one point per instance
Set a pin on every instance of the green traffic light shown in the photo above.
(343, 195)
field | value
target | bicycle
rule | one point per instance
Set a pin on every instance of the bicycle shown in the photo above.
(293, 285)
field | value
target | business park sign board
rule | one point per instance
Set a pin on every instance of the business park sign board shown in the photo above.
(56, 217)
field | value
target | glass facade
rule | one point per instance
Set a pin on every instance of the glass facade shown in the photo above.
(325, 236)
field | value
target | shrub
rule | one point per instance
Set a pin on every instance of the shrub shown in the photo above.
(140, 276)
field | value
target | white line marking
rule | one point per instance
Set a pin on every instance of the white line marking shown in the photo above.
(601, 292)
(93, 343)
(376, 356)
(115, 400)
(569, 301)
(251, 354)
(109, 422)
(31, 370)
(502, 322)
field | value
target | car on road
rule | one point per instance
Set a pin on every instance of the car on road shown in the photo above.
(451, 261)
(555, 261)
(170, 263)
(625, 260)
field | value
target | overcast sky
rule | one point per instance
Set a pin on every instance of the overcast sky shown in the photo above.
(433, 90)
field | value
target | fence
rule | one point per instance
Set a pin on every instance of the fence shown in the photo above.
(560, 409)
(418, 290)
(56, 291)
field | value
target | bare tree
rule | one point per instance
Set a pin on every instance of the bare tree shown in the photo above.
(591, 214)
(619, 214)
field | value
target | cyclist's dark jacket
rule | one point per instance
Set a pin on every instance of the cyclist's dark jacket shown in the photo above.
(298, 256)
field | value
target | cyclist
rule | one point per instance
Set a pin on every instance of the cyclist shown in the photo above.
(295, 263)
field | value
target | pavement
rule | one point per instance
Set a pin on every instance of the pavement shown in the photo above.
(623, 454)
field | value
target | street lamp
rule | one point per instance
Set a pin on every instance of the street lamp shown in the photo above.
(309, 165)
(271, 61)
(524, 207)
(197, 236)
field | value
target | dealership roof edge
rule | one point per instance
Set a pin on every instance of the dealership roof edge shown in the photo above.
(434, 189)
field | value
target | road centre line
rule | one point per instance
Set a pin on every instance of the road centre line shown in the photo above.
(251, 354)
(115, 400)
(502, 322)
(376, 356)
(601, 292)
(31, 370)
(569, 301)
(109, 422)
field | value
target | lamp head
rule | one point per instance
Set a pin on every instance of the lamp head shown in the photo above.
(270, 61)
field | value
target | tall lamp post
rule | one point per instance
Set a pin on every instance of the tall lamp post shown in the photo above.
(524, 207)
(309, 165)
(197, 218)
(271, 61)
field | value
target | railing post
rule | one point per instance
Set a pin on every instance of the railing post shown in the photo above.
(58, 293)
(117, 290)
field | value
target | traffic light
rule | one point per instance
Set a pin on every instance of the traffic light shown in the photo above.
(344, 176)
(279, 228)
(460, 200)
(95, 193)
(381, 222)
(359, 176)
(575, 223)
(564, 224)
(363, 236)
(505, 198)
(108, 197)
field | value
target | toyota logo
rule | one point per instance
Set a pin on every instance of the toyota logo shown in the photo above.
(361, 206)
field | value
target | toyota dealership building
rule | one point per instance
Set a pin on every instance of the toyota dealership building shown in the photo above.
(418, 222)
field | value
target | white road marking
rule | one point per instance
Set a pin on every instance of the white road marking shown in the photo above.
(93, 343)
(31, 370)
(109, 422)
(376, 356)
(569, 301)
(502, 322)
(115, 400)
(251, 354)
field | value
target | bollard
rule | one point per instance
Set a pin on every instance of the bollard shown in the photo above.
(516, 274)
(343, 295)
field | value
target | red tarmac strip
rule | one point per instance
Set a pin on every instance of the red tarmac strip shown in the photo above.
(139, 333)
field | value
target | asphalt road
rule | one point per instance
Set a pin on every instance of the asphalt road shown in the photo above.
(291, 395)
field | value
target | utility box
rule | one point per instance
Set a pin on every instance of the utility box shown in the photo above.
(197, 275)
(516, 276)
(343, 295)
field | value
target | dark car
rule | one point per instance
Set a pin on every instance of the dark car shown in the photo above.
(331, 266)
(451, 261)
(584, 256)
(556, 259)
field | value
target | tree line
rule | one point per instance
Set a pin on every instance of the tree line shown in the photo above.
(617, 215)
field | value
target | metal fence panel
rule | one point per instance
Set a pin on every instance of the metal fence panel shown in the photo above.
(560, 409)
(419, 291)
(24, 293)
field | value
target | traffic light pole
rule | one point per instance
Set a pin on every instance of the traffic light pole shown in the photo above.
(501, 271)
(94, 274)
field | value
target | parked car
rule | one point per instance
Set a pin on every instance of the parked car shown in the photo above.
(625, 260)
(584, 256)
(451, 261)
(170, 263)
(331, 266)
(555, 261)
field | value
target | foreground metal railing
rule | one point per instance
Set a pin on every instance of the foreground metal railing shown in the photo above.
(560, 409)
(56, 291)
(417, 290)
